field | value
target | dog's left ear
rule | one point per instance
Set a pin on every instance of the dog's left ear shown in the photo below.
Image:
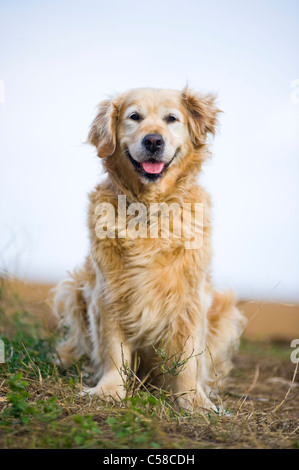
(202, 115)
(102, 133)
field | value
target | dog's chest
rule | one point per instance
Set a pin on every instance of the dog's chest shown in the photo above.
(154, 289)
(157, 263)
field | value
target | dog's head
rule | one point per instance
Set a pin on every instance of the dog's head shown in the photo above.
(148, 133)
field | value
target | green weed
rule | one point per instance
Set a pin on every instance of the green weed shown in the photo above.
(135, 426)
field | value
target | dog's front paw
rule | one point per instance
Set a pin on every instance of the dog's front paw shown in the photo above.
(108, 390)
(196, 402)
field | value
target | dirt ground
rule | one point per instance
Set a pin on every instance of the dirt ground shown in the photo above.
(265, 376)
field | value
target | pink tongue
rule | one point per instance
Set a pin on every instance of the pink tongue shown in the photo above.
(152, 167)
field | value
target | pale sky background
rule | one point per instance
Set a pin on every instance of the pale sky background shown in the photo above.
(58, 59)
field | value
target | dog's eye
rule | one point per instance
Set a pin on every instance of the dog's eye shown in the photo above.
(135, 117)
(171, 118)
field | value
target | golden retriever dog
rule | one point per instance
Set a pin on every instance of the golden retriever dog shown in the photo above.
(144, 290)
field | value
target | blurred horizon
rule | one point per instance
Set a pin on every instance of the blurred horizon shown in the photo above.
(59, 59)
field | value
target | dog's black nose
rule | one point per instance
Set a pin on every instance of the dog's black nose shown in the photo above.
(153, 142)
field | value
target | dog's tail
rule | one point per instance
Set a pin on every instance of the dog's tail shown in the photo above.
(70, 308)
(225, 325)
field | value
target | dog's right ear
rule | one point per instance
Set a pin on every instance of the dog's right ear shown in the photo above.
(102, 133)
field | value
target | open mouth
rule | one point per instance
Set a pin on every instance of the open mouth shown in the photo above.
(150, 168)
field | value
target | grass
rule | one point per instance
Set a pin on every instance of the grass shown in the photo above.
(41, 405)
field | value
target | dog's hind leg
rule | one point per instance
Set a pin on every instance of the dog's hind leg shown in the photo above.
(225, 325)
(70, 307)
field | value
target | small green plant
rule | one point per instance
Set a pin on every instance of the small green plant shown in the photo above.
(26, 345)
(84, 432)
(21, 409)
(80, 431)
(17, 399)
(174, 364)
(135, 426)
(145, 404)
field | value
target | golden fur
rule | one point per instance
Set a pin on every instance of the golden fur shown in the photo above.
(137, 294)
